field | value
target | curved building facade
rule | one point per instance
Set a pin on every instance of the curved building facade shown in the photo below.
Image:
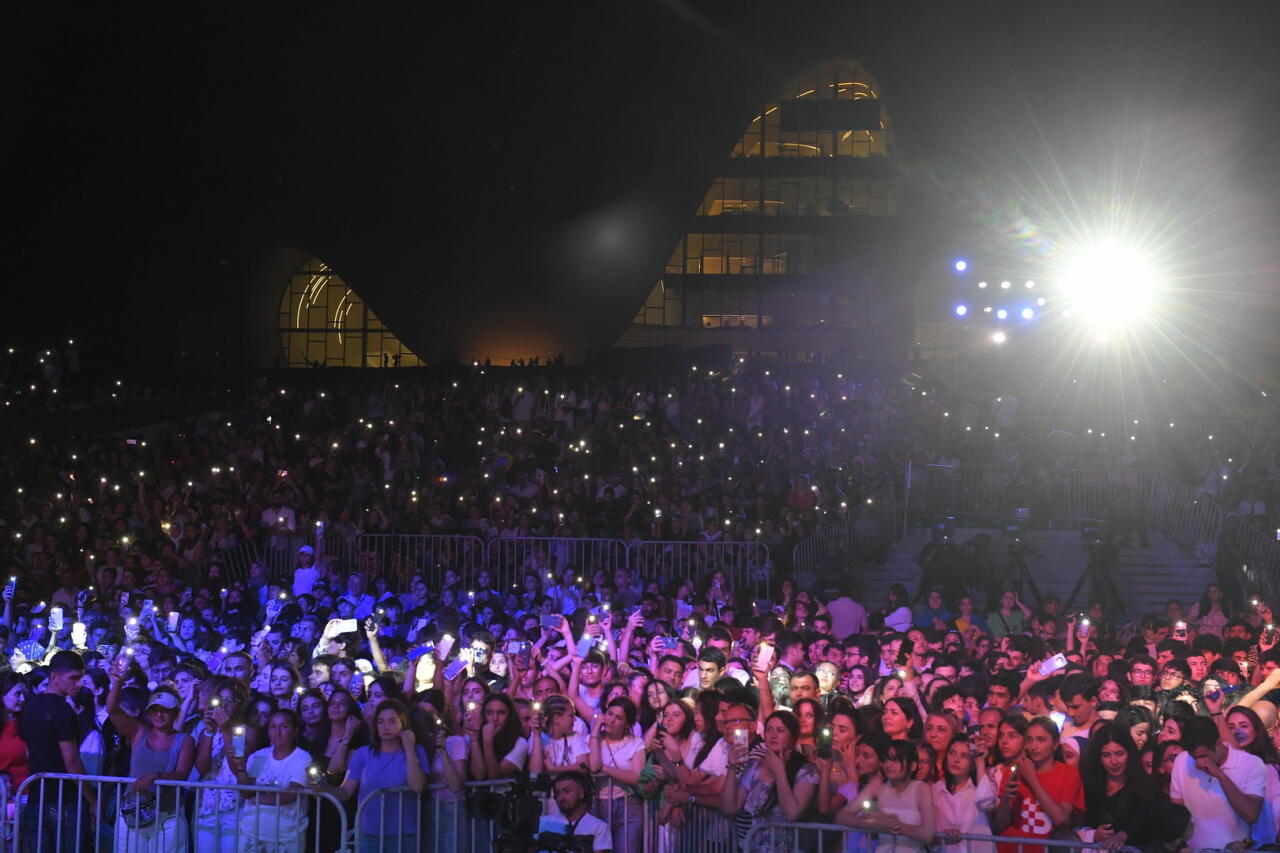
(781, 253)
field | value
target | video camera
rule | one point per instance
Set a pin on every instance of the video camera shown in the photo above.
(516, 811)
(1093, 532)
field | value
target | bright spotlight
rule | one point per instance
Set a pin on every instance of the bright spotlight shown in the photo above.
(1028, 313)
(999, 337)
(1041, 301)
(1030, 284)
(982, 285)
(1002, 314)
(961, 310)
(962, 265)
(1004, 285)
(1109, 285)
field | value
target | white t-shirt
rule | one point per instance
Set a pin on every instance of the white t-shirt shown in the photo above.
(589, 825)
(1214, 823)
(618, 754)
(455, 747)
(519, 753)
(563, 751)
(717, 760)
(278, 824)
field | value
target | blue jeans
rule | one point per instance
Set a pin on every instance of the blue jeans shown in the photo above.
(56, 830)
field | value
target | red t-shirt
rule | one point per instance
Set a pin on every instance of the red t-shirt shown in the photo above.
(1028, 819)
(13, 755)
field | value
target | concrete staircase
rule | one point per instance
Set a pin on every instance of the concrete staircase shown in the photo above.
(1145, 578)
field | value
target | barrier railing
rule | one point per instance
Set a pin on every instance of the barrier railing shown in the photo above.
(235, 561)
(472, 819)
(747, 564)
(64, 812)
(856, 538)
(510, 559)
(400, 557)
(835, 838)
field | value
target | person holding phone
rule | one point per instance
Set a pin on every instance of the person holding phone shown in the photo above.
(901, 807)
(780, 785)
(619, 755)
(1118, 792)
(1039, 794)
(963, 799)
(567, 749)
(277, 822)
(159, 752)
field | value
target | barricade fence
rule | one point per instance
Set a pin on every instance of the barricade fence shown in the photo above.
(861, 535)
(748, 565)
(836, 838)
(64, 812)
(1056, 501)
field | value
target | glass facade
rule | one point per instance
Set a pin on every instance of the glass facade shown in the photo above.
(774, 242)
(323, 323)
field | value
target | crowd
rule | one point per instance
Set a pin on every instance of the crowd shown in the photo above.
(135, 652)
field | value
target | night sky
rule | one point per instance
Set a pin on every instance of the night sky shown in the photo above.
(156, 158)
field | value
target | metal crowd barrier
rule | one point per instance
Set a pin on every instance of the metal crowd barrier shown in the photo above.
(835, 838)
(399, 558)
(747, 564)
(855, 538)
(511, 559)
(53, 815)
(467, 822)
(235, 561)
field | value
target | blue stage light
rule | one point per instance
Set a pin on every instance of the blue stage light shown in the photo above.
(961, 310)
(961, 265)
(1002, 314)
(1028, 313)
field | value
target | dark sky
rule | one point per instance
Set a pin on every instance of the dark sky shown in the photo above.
(156, 157)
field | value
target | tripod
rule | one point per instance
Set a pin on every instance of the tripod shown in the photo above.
(1017, 568)
(1096, 574)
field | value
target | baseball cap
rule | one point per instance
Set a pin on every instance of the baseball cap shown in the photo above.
(163, 699)
(307, 549)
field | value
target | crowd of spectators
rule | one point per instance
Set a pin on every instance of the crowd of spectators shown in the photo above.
(135, 650)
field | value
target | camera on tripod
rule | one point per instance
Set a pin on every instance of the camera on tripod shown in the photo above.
(1092, 531)
(516, 811)
(1014, 531)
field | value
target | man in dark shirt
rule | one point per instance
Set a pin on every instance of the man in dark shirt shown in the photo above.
(50, 820)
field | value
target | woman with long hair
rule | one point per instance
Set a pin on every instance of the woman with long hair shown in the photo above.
(940, 728)
(313, 724)
(1140, 723)
(837, 775)
(780, 785)
(1117, 793)
(447, 777)
(963, 798)
(1249, 734)
(1211, 614)
(224, 704)
(347, 733)
(672, 730)
(657, 695)
(393, 759)
(1162, 758)
(13, 749)
(1039, 793)
(901, 719)
(897, 608)
(812, 717)
(275, 822)
(500, 750)
(618, 754)
(901, 806)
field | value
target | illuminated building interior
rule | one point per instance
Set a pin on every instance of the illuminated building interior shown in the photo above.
(324, 323)
(774, 242)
